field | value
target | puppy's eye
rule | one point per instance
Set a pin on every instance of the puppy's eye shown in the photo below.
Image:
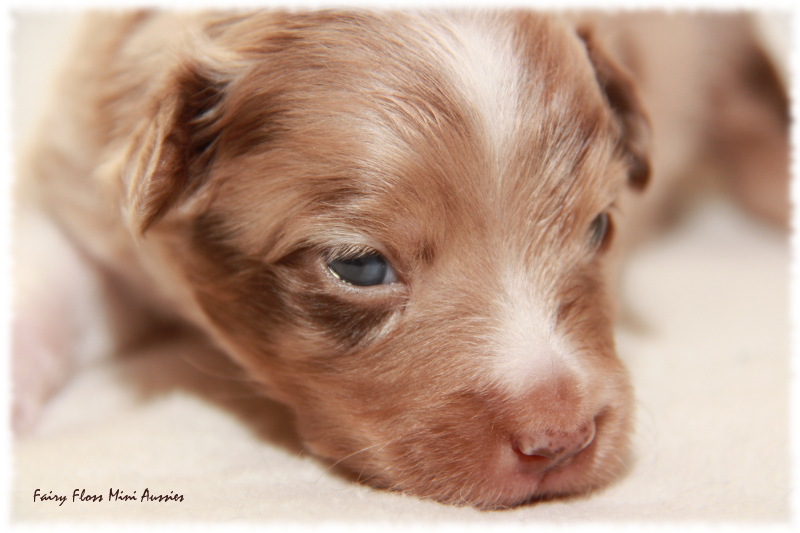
(600, 231)
(363, 271)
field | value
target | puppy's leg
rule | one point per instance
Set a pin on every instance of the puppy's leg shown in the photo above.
(55, 290)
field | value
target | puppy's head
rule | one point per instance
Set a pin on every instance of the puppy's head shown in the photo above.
(400, 225)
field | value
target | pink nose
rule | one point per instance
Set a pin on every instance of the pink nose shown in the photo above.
(552, 449)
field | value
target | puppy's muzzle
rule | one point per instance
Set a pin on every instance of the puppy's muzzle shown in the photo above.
(546, 450)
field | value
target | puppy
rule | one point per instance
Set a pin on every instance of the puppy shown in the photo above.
(403, 225)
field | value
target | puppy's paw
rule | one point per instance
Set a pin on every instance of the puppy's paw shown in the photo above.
(52, 327)
(37, 371)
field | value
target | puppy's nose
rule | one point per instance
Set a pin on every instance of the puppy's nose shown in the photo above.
(550, 449)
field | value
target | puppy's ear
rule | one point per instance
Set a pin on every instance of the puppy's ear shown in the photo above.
(620, 91)
(174, 150)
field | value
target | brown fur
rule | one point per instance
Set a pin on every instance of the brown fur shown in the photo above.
(218, 162)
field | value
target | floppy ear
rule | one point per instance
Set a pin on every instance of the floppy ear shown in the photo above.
(620, 91)
(174, 150)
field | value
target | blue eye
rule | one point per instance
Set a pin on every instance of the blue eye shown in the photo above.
(363, 271)
(600, 231)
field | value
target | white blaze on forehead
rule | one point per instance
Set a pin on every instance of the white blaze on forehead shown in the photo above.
(486, 70)
(526, 348)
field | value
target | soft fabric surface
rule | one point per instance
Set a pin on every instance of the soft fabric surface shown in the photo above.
(706, 339)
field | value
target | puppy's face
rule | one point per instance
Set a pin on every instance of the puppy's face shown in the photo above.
(401, 228)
